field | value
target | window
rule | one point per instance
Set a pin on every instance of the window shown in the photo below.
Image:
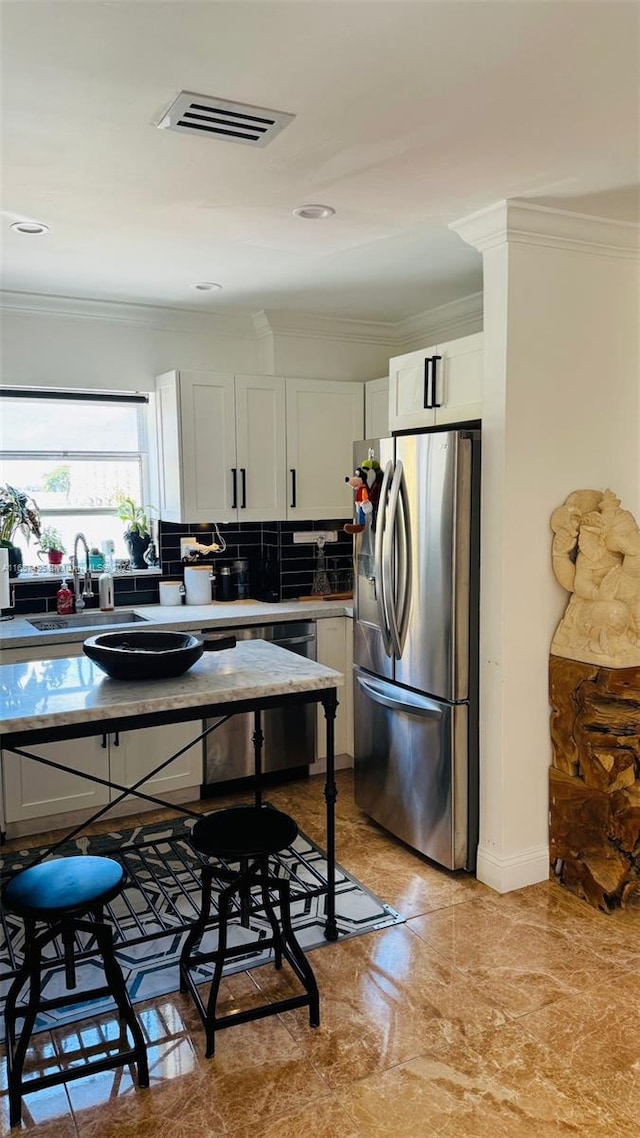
(77, 454)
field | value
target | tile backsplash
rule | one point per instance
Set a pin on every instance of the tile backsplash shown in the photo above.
(277, 567)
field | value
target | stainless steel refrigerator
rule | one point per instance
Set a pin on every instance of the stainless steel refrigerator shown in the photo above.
(416, 643)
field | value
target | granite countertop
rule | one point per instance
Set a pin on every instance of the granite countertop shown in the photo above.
(70, 690)
(19, 633)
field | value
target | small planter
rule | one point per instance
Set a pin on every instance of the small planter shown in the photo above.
(137, 546)
(54, 556)
(15, 558)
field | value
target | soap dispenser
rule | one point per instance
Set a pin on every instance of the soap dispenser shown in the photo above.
(64, 599)
(105, 591)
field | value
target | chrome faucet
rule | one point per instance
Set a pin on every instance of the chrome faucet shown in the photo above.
(86, 591)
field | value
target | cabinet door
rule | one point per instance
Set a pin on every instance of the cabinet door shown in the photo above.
(458, 380)
(376, 408)
(261, 448)
(33, 790)
(134, 753)
(440, 384)
(324, 419)
(409, 384)
(332, 651)
(197, 436)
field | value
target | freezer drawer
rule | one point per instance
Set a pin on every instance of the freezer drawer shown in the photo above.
(411, 770)
(289, 734)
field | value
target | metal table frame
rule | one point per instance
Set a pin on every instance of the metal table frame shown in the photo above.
(17, 742)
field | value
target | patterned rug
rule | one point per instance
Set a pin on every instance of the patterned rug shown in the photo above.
(162, 898)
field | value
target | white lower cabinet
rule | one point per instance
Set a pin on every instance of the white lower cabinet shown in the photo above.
(335, 650)
(138, 752)
(32, 790)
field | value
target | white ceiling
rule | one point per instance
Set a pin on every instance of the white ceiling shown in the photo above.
(409, 115)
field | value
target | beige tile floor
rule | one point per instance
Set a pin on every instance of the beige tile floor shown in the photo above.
(480, 1017)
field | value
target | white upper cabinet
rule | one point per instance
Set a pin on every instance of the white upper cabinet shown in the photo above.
(222, 447)
(440, 384)
(260, 448)
(324, 419)
(255, 448)
(376, 408)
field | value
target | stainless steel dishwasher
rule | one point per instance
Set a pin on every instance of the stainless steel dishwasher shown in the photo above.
(289, 734)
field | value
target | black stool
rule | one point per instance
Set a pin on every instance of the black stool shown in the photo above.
(245, 837)
(63, 894)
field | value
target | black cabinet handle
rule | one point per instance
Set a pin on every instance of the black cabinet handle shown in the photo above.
(434, 401)
(234, 479)
(243, 475)
(103, 742)
(427, 368)
(116, 739)
(293, 487)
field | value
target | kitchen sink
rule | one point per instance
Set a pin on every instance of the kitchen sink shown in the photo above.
(88, 619)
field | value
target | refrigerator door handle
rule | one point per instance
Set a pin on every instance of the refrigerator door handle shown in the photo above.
(410, 704)
(381, 528)
(398, 537)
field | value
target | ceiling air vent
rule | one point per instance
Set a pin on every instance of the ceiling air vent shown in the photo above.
(220, 118)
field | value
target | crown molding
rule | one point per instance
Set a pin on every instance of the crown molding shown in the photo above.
(525, 223)
(303, 325)
(449, 321)
(146, 315)
(446, 322)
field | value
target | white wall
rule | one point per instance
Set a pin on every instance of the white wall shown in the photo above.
(61, 342)
(561, 411)
(89, 344)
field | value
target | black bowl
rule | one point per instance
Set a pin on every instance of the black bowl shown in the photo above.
(144, 655)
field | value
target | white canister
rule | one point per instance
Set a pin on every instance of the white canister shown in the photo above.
(197, 582)
(170, 592)
(5, 591)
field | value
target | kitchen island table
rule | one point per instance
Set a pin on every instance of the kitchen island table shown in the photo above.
(70, 698)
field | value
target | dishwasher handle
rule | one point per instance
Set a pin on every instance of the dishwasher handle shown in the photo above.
(286, 640)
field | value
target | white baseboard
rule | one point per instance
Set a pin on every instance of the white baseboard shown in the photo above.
(504, 874)
(342, 762)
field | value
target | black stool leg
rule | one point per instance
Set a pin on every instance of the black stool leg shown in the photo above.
(16, 1053)
(306, 972)
(244, 892)
(196, 932)
(68, 942)
(265, 882)
(223, 918)
(118, 988)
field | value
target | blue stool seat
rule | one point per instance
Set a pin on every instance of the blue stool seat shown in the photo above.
(237, 843)
(67, 896)
(69, 885)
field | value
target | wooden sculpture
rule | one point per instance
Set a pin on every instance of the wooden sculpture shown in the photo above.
(595, 699)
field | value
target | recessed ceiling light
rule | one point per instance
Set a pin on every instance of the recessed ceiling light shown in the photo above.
(35, 228)
(206, 286)
(314, 212)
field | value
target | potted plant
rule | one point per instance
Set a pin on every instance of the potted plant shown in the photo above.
(137, 535)
(51, 543)
(18, 511)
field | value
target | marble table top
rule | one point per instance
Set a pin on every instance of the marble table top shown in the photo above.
(71, 690)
